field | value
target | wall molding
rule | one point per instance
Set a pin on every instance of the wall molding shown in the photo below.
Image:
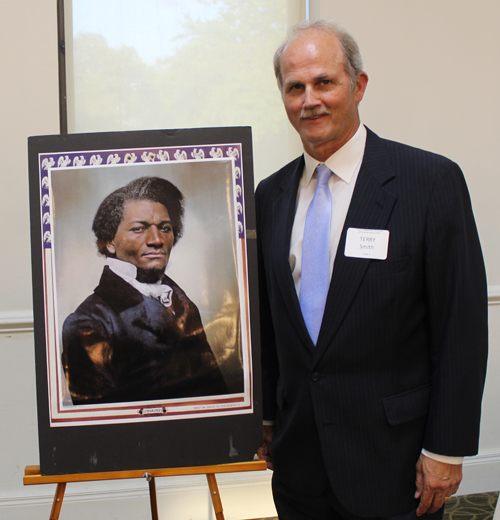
(16, 321)
(22, 321)
(494, 295)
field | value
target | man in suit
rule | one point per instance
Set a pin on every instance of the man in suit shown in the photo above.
(138, 337)
(374, 346)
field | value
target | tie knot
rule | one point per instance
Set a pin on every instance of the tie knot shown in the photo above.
(323, 173)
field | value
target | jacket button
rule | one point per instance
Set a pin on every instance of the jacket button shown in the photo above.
(315, 376)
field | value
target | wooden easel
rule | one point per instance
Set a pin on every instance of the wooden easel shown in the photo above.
(32, 476)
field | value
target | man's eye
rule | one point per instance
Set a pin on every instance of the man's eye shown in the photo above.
(325, 82)
(166, 228)
(138, 229)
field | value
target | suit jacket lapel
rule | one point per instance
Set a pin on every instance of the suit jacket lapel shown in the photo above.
(116, 292)
(370, 208)
(283, 216)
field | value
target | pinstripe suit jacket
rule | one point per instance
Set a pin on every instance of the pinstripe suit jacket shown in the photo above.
(401, 355)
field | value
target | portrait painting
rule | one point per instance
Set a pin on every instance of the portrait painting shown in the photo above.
(145, 278)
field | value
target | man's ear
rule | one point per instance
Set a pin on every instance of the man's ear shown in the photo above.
(111, 248)
(361, 83)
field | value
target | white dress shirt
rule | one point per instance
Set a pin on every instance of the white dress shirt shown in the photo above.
(345, 164)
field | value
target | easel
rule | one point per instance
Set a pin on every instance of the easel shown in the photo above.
(32, 476)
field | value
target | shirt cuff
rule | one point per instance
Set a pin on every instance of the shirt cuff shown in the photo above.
(443, 458)
(268, 423)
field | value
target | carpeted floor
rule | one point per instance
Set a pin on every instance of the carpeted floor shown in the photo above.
(467, 507)
(471, 507)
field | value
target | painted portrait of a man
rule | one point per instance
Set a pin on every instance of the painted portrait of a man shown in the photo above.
(142, 300)
(138, 337)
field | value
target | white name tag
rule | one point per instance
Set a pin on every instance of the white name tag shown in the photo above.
(367, 243)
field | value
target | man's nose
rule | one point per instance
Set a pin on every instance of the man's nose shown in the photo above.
(154, 236)
(310, 97)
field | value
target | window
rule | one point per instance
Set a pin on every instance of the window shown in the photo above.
(146, 64)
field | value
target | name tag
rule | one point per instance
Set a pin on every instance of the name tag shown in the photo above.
(367, 243)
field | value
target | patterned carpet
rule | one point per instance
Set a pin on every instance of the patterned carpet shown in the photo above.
(471, 507)
(467, 507)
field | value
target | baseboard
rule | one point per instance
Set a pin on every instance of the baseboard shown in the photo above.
(496, 516)
(482, 458)
(481, 474)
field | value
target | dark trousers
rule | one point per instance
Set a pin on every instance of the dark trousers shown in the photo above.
(292, 505)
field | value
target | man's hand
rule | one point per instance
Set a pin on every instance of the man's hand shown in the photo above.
(264, 452)
(436, 482)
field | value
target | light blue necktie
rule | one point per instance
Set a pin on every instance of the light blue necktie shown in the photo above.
(315, 271)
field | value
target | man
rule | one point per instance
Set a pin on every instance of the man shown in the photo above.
(374, 352)
(138, 337)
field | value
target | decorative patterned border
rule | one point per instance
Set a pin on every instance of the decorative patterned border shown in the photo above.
(126, 412)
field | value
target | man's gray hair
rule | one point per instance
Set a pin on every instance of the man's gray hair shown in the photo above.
(352, 57)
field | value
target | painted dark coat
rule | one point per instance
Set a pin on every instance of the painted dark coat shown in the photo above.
(120, 345)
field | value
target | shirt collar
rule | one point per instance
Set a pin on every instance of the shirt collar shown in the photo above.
(128, 272)
(344, 161)
(124, 270)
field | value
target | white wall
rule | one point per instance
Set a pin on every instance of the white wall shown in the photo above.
(29, 106)
(432, 67)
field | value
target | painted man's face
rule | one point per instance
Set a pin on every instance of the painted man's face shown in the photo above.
(145, 235)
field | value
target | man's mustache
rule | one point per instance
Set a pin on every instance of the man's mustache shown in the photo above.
(313, 112)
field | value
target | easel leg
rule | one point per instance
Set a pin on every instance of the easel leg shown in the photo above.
(152, 498)
(58, 499)
(214, 493)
